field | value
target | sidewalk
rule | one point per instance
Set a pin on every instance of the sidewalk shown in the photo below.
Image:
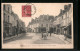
(13, 37)
(68, 41)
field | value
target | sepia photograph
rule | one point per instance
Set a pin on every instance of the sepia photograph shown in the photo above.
(37, 25)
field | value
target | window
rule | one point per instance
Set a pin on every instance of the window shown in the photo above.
(4, 17)
(4, 7)
(8, 9)
(8, 18)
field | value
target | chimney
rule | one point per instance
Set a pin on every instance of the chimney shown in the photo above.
(69, 5)
(65, 7)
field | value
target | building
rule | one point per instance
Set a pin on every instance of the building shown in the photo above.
(43, 22)
(12, 25)
(66, 23)
(7, 17)
(21, 26)
(62, 23)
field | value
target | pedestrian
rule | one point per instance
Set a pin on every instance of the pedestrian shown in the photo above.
(51, 31)
(45, 36)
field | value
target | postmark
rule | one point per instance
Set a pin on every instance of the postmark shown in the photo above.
(28, 10)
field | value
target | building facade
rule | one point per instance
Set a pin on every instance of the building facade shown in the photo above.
(7, 26)
(43, 22)
(11, 22)
(62, 23)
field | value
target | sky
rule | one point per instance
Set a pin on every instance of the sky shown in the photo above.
(41, 8)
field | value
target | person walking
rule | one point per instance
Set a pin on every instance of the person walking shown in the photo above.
(50, 31)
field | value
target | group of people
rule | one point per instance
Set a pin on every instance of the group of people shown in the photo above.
(45, 35)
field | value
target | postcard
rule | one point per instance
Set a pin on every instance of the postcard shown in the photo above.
(37, 25)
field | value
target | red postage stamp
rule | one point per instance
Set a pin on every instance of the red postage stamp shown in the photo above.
(26, 11)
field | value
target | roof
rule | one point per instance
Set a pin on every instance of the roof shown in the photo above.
(66, 9)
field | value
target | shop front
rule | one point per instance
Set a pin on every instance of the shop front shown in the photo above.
(67, 31)
(7, 30)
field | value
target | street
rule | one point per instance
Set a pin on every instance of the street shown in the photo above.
(35, 38)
